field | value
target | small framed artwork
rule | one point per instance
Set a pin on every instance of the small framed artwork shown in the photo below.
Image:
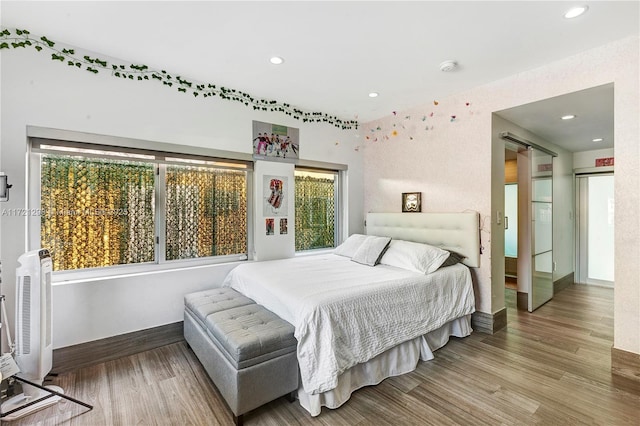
(275, 196)
(270, 225)
(411, 202)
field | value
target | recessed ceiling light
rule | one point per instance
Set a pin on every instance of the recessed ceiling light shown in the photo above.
(574, 12)
(276, 60)
(373, 94)
(598, 140)
(568, 117)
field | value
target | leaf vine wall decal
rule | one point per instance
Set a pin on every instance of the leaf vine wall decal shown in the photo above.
(20, 38)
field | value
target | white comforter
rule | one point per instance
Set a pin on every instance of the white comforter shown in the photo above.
(345, 313)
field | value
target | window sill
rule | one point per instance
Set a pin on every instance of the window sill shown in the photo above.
(315, 252)
(123, 271)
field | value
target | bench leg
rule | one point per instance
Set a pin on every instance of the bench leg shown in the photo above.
(238, 420)
(291, 396)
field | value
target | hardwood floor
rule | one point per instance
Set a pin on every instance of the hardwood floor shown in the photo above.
(551, 367)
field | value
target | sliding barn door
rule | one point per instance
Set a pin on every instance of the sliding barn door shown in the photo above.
(541, 229)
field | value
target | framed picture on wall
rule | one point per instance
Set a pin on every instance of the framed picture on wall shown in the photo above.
(411, 202)
(274, 197)
(275, 142)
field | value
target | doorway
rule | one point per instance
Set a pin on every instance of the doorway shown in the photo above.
(579, 127)
(595, 229)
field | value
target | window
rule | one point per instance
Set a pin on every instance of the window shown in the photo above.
(205, 211)
(96, 212)
(103, 207)
(316, 208)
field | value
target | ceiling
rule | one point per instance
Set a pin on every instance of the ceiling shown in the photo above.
(593, 110)
(335, 52)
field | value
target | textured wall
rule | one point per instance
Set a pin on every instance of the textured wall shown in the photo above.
(451, 162)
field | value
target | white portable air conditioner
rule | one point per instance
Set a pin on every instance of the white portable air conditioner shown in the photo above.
(34, 346)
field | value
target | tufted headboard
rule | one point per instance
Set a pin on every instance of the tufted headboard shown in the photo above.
(459, 232)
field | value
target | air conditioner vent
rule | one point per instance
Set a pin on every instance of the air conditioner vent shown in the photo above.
(26, 315)
(47, 318)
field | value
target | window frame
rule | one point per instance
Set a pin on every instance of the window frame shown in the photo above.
(163, 155)
(340, 212)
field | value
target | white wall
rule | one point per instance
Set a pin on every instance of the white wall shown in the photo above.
(40, 92)
(586, 159)
(451, 163)
(95, 309)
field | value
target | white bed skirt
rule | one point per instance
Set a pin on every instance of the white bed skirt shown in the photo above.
(398, 360)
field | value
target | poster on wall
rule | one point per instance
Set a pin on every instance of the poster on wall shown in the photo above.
(274, 142)
(283, 226)
(274, 196)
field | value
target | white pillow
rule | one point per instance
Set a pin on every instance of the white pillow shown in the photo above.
(370, 252)
(350, 245)
(416, 257)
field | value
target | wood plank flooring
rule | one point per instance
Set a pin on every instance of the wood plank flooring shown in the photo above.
(552, 367)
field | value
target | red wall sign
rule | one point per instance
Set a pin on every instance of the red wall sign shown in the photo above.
(602, 162)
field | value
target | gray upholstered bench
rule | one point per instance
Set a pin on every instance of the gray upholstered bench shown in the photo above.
(248, 351)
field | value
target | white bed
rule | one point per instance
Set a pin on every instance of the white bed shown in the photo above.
(357, 325)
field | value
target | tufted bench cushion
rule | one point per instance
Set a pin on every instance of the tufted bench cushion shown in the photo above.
(250, 334)
(204, 303)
